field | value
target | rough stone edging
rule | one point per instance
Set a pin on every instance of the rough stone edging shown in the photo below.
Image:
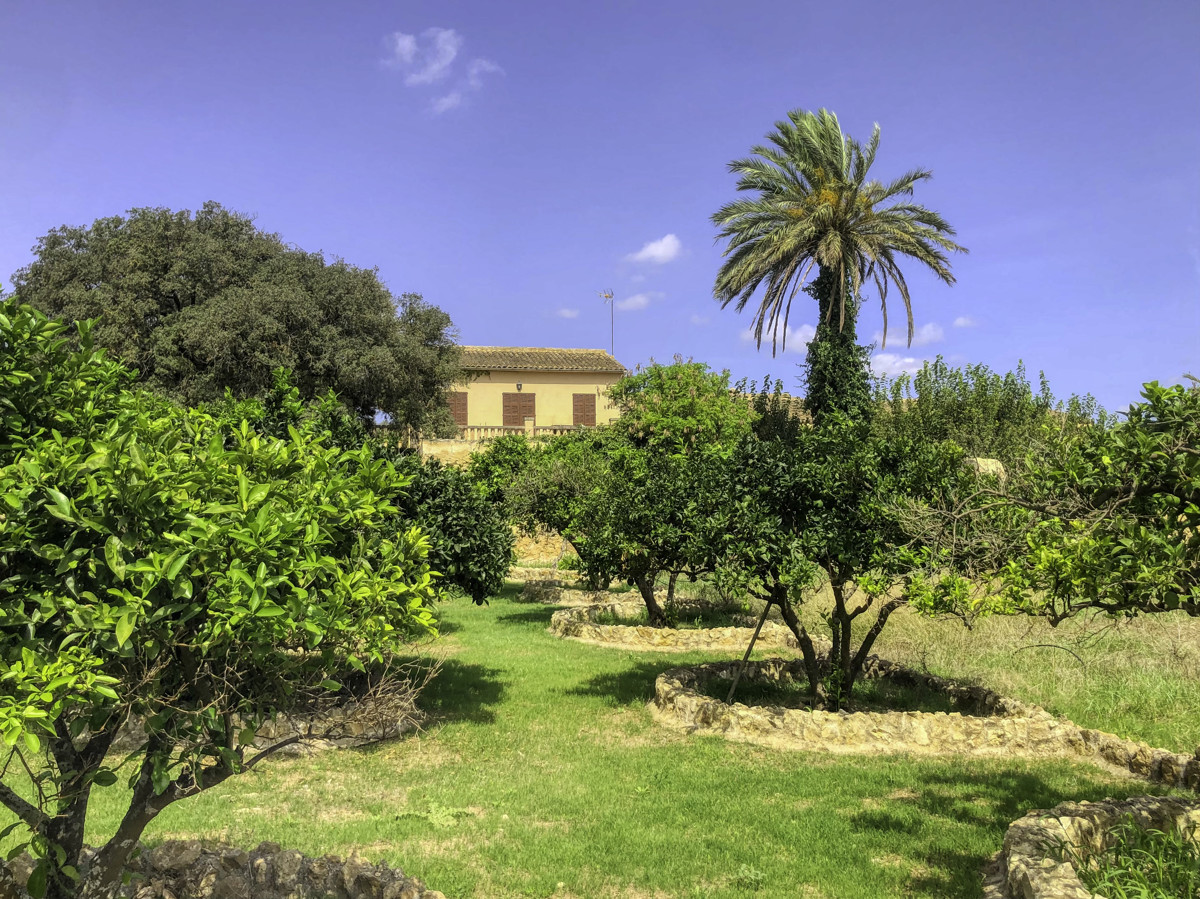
(1029, 866)
(577, 624)
(195, 869)
(560, 576)
(1009, 727)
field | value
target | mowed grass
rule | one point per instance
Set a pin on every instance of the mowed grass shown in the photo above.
(542, 774)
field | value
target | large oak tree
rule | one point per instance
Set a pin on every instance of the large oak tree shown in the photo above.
(202, 302)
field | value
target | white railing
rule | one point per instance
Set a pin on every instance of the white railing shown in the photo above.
(486, 432)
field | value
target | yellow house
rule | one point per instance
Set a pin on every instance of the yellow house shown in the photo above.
(533, 389)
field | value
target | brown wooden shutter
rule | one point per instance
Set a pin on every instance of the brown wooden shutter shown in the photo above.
(458, 408)
(583, 409)
(517, 408)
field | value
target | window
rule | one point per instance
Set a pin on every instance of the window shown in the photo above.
(583, 410)
(458, 408)
(517, 408)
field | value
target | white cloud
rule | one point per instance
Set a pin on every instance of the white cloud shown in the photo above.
(442, 104)
(892, 364)
(927, 334)
(658, 251)
(427, 58)
(430, 58)
(477, 68)
(635, 302)
(964, 321)
(567, 313)
(797, 338)
(922, 336)
(699, 319)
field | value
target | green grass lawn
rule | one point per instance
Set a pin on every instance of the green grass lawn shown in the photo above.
(541, 773)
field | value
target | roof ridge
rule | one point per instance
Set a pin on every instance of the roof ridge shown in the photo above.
(552, 349)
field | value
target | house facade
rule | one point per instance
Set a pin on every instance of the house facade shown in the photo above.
(538, 390)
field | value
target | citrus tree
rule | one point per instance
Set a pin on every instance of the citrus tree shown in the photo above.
(174, 574)
(1098, 518)
(823, 507)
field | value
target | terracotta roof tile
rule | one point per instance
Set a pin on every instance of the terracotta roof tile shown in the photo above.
(528, 358)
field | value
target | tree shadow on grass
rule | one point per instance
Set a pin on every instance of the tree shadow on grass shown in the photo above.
(445, 628)
(630, 686)
(463, 691)
(939, 802)
(536, 614)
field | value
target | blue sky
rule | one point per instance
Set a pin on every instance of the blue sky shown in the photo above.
(511, 160)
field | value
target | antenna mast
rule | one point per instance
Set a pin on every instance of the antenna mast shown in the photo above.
(607, 296)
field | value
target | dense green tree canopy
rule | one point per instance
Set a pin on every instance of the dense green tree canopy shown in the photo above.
(185, 569)
(198, 303)
(825, 505)
(471, 543)
(988, 414)
(1104, 518)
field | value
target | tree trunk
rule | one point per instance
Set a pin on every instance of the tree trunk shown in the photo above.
(657, 616)
(812, 664)
(842, 637)
(836, 366)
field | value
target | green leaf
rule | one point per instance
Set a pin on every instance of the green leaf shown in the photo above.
(175, 567)
(32, 743)
(114, 558)
(61, 506)
(36, 886)
(104, 778)
(124, 628)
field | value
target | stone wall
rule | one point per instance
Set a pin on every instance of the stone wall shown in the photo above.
(194, 870)
(542, 547)
(579, 624)
(993, 725)
(551, 575)
(1031, 866)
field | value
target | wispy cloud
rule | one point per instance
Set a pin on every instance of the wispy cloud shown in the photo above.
(567, 313)
(892, 364)
(446, 103)
(429, 58)
(797, 338)
(426, 58)
(699, 319)
(637, 301)
(922, 336)
(477, 68)
(964, 321)
(658, 251)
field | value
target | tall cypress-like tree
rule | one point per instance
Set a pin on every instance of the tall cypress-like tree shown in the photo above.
(813, 207)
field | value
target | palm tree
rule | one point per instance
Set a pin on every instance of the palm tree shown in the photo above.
(814, 207)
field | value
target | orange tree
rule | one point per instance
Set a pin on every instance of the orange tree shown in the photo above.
(161, 566)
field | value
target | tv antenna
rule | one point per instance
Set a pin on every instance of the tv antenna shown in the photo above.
(607, 296)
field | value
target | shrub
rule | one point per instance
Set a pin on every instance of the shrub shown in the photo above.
(498, 465)
(155, 562)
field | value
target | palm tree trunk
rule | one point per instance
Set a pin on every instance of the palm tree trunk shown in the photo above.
(836, 366)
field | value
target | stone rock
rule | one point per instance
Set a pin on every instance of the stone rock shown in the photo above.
(195, 870)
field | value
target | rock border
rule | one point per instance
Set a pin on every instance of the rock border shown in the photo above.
(579, 624)
(1030, 866)
(1001, 726)
(196, 869)
(559, 576)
